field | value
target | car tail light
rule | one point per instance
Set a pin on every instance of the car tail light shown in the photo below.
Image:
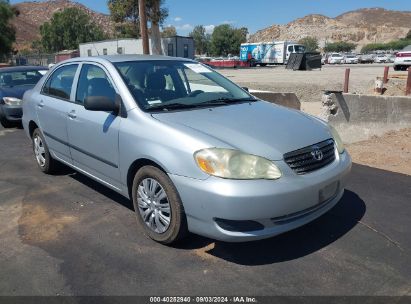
(403, 55)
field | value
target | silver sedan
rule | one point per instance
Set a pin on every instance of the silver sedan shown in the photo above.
(192, 150)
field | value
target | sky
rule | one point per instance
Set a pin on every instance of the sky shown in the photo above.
(253, 14)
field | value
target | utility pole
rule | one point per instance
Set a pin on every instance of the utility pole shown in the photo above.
(143, 25)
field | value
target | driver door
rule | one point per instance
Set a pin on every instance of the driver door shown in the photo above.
(93, 135)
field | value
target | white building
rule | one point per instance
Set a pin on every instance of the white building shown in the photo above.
(177, 46)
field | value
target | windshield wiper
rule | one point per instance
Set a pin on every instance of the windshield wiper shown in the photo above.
(225, 101)
(171, 106)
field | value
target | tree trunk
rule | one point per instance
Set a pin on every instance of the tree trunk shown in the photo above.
(143, 26)
(156, 48)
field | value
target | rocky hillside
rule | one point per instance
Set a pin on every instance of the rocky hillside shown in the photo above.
(34, 14)
(360, 27)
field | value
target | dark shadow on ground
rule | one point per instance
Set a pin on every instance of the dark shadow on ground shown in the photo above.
(291, 245)
(107, 192)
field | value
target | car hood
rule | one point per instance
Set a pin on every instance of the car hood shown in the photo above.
(17, 91)
(258, 128)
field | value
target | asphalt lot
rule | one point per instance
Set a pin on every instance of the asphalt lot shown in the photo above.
(67, 235)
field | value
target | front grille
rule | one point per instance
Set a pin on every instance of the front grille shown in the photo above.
(311, 158)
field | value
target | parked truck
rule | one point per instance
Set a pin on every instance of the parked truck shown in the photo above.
(263, 53)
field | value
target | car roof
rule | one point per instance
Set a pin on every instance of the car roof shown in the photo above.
(126, 58)
(23, 68)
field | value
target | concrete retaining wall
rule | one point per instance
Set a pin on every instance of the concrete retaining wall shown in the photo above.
(289, 100)
(359, 117)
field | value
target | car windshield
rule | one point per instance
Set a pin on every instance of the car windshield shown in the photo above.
(350, 56)
(164, 85)
(335, 55)
(20, 78)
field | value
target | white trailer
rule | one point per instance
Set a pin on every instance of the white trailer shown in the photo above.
(275, 52)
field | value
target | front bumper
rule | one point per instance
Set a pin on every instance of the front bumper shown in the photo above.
(277, 205)
(11, 113)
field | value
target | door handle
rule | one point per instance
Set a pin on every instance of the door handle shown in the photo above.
(40, 104)
(72, 114)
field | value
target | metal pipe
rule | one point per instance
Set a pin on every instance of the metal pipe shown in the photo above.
(386, 69)
(408, 88)
(346, 80)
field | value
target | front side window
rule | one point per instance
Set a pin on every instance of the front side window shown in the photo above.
(89, 53)
(93, 81)
(20, 78)
(290, 48)
(104, 51)
(120, 50)
(167, 85)
(60, 82)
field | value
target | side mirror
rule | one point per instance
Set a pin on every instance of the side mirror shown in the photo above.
(102, 103)
(245, 89)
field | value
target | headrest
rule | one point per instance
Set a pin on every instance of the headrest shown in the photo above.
(156, 81)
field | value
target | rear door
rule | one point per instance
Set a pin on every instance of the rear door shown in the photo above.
(52, 109)
(93, 135)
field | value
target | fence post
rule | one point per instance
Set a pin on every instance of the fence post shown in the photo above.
(386, 69)
(346, 80)
(408, 88)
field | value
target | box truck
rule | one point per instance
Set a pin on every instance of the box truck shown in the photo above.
(263, 53)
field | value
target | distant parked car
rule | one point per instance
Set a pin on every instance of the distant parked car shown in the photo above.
(366, 58)
(350, 59)
(14, 82)
(381, 58)
(390, 58)
(403, 59)
(335, 58)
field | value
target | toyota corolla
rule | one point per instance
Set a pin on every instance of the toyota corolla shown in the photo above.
(192, 150)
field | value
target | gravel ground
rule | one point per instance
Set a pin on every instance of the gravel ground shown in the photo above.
(391, 152)
(308, 85)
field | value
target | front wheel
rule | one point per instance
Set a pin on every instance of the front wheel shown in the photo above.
(158, 206)
(41, 152)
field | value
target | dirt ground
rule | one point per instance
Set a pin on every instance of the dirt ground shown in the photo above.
(391, 152)
(308, 85)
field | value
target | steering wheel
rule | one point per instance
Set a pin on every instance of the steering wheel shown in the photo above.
(195, 93)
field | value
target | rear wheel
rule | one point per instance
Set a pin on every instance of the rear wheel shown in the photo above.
(158, 206)
(42, 155)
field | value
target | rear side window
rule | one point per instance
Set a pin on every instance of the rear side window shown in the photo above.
(93, 81)
(60, 82)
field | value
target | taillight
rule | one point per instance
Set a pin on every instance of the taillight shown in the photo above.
(403, 55)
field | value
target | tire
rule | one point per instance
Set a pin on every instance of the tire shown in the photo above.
(152, 212)
(42, 155)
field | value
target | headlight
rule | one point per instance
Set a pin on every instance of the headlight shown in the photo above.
(337, 139)
(233, 164)
(12, 101)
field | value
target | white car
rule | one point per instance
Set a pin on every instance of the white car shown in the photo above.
(403, 59)
(350, 59)
(381, 58)
(335, 58)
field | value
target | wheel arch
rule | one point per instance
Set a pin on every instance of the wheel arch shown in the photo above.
(137, 165)
(32, 126)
